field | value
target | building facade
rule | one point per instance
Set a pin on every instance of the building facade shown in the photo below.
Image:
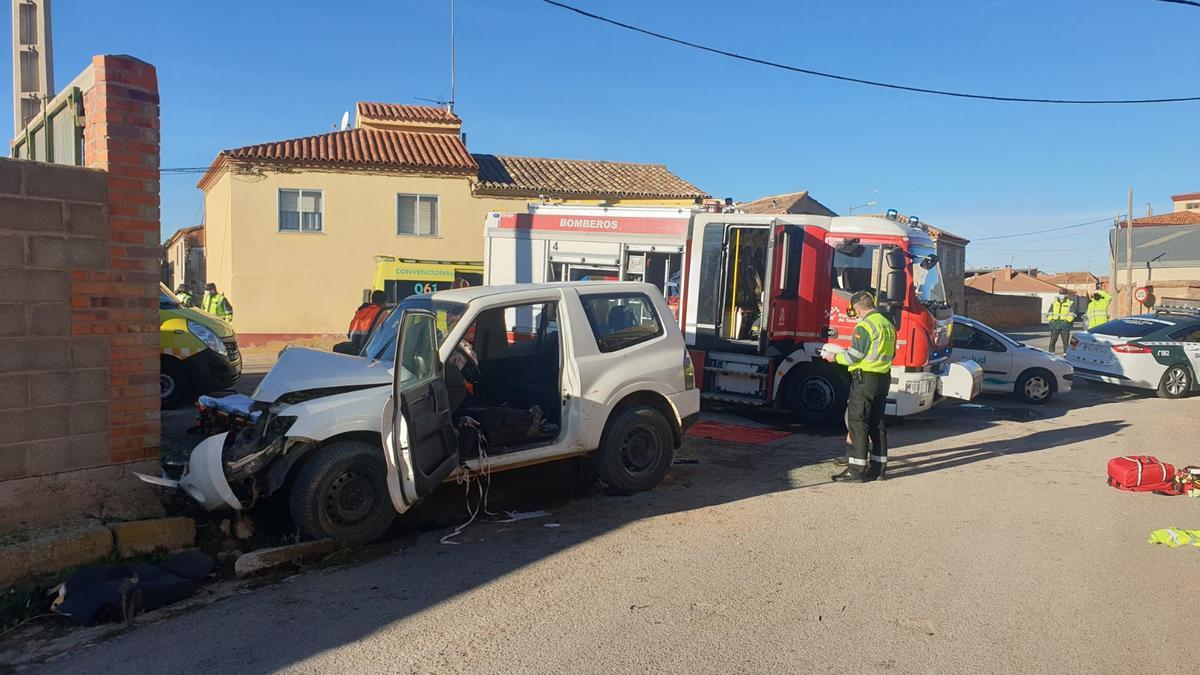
(293, 226)
(1166, 247)
(1008, 281)
(183, 259)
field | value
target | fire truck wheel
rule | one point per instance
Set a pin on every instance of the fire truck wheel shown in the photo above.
(816, 393)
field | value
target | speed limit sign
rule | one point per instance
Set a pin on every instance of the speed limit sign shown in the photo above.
(1142, 294)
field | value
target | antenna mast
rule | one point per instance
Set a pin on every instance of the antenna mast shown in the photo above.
(451, 105)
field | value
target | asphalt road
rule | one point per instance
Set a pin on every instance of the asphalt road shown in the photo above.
(994, 546)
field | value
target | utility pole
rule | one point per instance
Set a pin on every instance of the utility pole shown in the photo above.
(1129, 251)
(32, 60)
(1112, 280)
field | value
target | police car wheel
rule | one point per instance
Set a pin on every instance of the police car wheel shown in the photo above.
(1175, 383)
(1035, 386)
(175, 387)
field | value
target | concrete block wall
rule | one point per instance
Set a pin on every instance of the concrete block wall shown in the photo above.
(1002, 311)
(79, 338)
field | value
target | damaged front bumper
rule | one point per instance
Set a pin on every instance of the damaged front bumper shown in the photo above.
(204, 477)
(223, 470)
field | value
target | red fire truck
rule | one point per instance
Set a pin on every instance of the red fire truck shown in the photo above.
(759, 296)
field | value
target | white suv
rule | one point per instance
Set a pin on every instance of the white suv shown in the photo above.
(477, 379)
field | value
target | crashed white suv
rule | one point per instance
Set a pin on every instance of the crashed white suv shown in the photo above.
(474, 379)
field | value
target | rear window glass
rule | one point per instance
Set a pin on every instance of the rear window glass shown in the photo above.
(621, 320)
(1131, 327)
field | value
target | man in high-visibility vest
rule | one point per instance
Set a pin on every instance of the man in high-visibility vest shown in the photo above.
(1097, 309)
(215, 303)
(365, 318)
(1061, 317)
(869, 360)
(184, 293)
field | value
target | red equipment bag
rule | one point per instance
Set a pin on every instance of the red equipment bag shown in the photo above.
(1142, 473)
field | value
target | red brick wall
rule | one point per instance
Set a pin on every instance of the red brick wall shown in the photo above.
(121, 136)
(79, 252)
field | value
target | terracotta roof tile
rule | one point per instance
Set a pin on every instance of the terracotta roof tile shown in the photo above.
(790, 202)
(1009, 281)
(1070, 278)
(366, 148)
(533, 176)
(1174, 218)
(1185, 197)
(406, 113)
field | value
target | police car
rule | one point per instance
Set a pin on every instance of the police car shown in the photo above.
(1009, 367)
(1158, 351)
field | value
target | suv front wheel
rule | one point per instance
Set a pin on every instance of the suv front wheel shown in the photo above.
(636, 450)
(341, 493)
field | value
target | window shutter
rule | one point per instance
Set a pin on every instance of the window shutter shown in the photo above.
(428, 216)
(289, 210)
(406, 214)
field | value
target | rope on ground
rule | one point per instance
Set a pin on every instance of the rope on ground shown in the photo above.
(481, 479)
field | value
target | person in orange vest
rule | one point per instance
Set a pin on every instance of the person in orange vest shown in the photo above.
(365, 318)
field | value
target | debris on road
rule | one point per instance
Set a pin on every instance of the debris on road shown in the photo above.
(266, 559)
(514, 516)
(107, 593)
(1174, 537)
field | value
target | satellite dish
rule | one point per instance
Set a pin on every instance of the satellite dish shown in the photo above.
(345, 120)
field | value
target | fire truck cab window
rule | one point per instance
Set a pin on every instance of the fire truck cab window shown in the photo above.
(745, 269)
(855, 270)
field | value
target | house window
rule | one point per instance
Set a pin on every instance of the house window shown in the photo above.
(301, 211)
(1193, 205)
(417, 215)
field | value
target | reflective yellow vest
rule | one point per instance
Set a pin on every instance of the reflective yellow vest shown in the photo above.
(185, 299)
(873, 346)
(1097, 310)
(217, 305)
(1060, 310)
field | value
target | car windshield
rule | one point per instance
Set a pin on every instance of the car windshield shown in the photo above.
(382, 345)
(166, 300)
(1132, 327)
(927, 282)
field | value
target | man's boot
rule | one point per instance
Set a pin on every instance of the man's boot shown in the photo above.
(878, 467)
(843, 459)
(856, 472)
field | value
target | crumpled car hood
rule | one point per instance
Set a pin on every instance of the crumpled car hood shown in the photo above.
(301, 369)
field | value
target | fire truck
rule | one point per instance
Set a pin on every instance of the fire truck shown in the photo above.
(759, 297)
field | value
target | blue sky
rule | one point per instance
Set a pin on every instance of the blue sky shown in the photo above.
(536, 80)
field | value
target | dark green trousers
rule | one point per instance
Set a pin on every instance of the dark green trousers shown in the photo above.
(868, 397)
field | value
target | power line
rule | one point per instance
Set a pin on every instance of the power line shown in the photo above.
(856, 80)
(183, 170)
(1043, 231)
(1182, 2)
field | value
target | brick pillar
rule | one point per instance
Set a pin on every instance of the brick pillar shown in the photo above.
(121, 136)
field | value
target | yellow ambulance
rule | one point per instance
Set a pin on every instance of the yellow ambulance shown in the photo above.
(199, 351)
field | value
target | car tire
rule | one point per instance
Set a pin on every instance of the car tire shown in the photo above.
(1175, 383)
(340, 492)
(636, 449)
(1036, 386)
(816, 393)
(175, 385)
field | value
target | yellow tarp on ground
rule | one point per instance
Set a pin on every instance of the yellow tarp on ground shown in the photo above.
(1174, 537)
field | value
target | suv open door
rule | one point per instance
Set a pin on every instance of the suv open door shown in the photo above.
(422, 447)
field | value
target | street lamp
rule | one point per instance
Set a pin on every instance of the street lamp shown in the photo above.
(1154, 259)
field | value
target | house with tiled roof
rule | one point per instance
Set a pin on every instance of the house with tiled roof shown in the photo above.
(1008, 281)
(294, 226)
(1166, 246)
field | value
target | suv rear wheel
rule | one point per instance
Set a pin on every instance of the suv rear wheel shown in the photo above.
(636, 450)
(1175, 383)
(341, 493)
